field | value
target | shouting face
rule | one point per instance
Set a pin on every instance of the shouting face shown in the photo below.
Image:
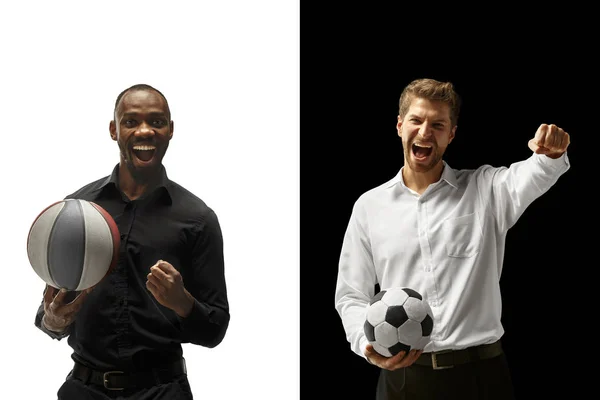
(142, 128)
(426, 131)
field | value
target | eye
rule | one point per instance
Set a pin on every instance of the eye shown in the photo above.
(129, 123)
(159, 122)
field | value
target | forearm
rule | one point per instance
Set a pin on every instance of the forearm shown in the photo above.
(516, 187)
(205, 325)
(208, 319)
(351, 306)
(356, 281)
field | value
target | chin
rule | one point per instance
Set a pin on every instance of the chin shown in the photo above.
(138, 171)
(417, 167)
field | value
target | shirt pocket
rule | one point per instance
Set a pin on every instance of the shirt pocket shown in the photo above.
(462, 236)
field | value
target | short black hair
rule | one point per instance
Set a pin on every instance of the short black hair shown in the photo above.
(141, 86)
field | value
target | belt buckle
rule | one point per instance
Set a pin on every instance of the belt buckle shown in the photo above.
(107, 375)
(434, 360)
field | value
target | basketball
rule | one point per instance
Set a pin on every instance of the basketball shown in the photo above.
(73, 244)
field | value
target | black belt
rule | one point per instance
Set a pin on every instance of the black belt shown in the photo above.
(449, 358)
(119, 380)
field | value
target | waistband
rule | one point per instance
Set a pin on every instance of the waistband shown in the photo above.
(449, 358)
(120, 380)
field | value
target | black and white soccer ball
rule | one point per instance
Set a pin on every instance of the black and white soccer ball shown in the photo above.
(398, 318)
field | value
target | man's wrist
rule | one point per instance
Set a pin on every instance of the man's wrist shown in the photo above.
(554, 156)
(189, 305)
(52, 329)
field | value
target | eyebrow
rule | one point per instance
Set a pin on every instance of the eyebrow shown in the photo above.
(435, 120)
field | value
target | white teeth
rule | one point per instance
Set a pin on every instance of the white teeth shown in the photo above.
(423, 146)
(144, 147)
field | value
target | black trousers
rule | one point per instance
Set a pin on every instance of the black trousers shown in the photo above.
(74, 389)
(480, 380)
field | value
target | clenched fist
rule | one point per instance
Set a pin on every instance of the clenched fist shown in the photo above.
(166, 285)
(550, 140)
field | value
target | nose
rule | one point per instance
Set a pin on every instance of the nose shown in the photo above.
(144, 130)
(425, 130)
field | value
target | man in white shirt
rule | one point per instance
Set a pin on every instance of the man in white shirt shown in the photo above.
(442, 233)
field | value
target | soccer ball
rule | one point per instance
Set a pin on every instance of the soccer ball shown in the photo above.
(398, 319)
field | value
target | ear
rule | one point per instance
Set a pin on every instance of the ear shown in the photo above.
(399, 126)
(171, 129)
(112, 127)
(452, 134)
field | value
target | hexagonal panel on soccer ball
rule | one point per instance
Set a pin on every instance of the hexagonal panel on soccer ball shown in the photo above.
(386, 335)
(376, 313)
(410, 332)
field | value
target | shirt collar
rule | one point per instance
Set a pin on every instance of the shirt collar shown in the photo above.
(164, 184)
(448, 175)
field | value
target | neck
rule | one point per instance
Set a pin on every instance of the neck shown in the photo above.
(420, 181)
(135, 185)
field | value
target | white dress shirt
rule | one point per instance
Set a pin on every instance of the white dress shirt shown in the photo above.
(447, 243)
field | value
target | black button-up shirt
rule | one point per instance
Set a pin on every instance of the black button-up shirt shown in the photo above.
(121, 325)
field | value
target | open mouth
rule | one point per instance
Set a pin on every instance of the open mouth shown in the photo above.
(421, 151)
(144, 152)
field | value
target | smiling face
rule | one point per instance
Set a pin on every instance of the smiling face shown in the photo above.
(426, 131)
(142, 128)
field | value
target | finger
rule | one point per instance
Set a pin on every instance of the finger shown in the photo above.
(397, 361)
(535, 148)
(552, 137)
(76, 303)
(373, 356)
(152, 289)
(165, 267)
(540, 135)
(49, 294)
(412, 356)
(564, 141)
(60, 297)
(158, 282)
(158, 272)
(398, 357)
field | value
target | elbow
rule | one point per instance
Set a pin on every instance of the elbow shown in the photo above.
(216, 332)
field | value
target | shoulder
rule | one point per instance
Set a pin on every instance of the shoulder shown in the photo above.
(376, 196)
(88, 191)
(185, 201)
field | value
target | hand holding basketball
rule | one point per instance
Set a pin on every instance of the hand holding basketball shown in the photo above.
(58, 315)
(550, 140)
(166, 285)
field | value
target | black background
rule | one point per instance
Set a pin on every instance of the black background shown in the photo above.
(512, 75)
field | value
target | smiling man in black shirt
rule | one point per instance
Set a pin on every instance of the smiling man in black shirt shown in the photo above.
(168, 287)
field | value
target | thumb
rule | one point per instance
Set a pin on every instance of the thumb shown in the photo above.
(535, 148)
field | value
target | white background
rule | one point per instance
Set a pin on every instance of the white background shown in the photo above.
(230, 71)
